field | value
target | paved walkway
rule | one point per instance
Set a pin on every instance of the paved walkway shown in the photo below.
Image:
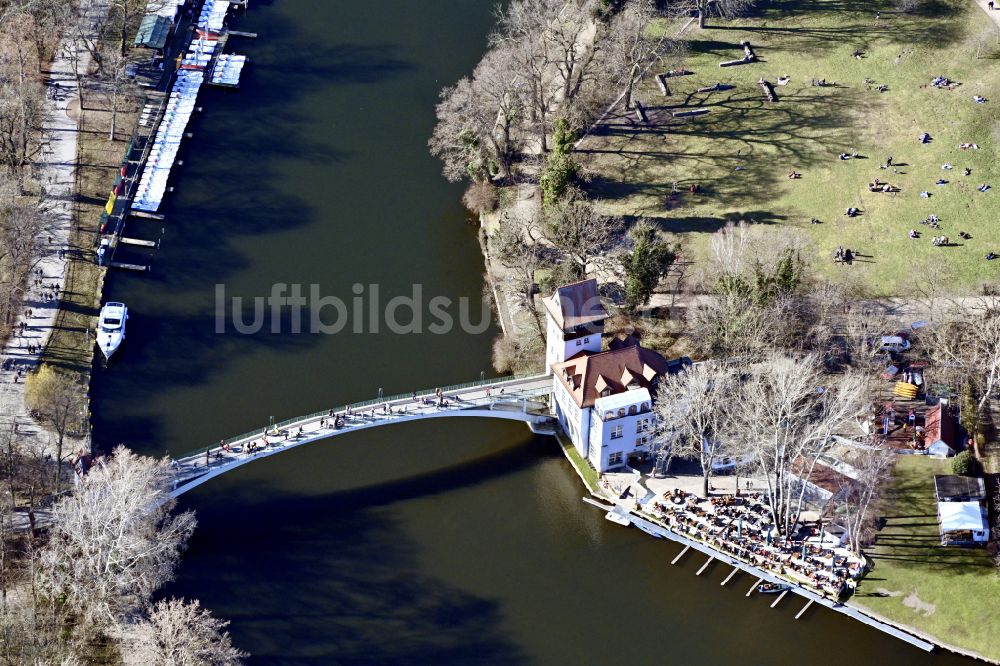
(56, 171)
(993, 13)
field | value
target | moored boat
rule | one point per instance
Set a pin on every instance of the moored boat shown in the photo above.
(111, 328)
(773, 588)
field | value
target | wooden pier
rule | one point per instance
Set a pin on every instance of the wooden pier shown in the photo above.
(680, 555)
(778, 600)
(139, 242)
(147, 216)
(804, 609)
(705, 565)
(129, 267)
(729, 577)
(764, 575)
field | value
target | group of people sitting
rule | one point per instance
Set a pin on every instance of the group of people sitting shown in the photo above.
(744, 528)
(844, 255)
(943, 82)
(879, 186)
(940, 241)
(852, 211)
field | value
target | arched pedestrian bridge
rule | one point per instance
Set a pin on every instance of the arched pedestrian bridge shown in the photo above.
(524, 398)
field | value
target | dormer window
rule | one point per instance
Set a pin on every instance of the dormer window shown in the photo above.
(605, 393)
(631, 410)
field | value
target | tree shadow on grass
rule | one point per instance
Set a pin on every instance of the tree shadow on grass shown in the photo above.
(751, 145)
(852, 22)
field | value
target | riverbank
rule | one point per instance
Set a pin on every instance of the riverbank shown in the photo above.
(55, 316)
(851, 608)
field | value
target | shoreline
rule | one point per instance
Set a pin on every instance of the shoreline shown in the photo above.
(60, 178)
(876, 619)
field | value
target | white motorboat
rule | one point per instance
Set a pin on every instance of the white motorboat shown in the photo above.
(618, 517)
(111, 329)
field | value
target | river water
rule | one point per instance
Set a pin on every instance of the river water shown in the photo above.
(455, 541)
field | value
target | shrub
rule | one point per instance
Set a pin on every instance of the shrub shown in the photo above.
(966, 464)
(480, 198)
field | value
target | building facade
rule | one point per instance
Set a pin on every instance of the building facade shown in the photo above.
(602, 399)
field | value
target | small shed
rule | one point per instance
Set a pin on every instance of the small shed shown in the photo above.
(153, 31)
(955, 488)
(939, 424)
(940, 450)
(963, 523)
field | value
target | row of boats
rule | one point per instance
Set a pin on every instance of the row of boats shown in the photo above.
(166, 143)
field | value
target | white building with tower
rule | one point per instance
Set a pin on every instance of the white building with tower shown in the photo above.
(603, 399)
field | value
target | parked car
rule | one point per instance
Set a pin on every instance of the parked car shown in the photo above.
(894, 343)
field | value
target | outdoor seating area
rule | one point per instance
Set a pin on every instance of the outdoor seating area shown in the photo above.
(742, 527)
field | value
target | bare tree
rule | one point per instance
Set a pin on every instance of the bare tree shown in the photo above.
(582, 234)
(522, 255)
(568, 25)
(701, 8)
(476, 118)
(115, 85)
(177, 633)
(966, 346)
(731, 326)
(58, 400)
(630, 46)
(692, 411)
(114, 541)
(21, 113)
(784, 414)
(523, 28)
(21, 226)
(857, 496)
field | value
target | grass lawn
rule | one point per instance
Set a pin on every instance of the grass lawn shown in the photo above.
(70, 346)
(634, 165)
(949, 593)
(582, 466)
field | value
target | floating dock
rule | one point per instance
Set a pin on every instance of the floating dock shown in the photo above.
(764, 575)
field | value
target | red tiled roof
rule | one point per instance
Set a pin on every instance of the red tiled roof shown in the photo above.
(822, 476)
(576, 304)
(582, 375)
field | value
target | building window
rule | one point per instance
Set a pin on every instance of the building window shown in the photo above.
(631, 410)
(642, 425)
(616, 432)
(641, 441)
(615, 459)
(621, 412)
(586, 340)
(579, 342)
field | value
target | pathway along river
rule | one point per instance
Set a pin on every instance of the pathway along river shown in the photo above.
(448, 542)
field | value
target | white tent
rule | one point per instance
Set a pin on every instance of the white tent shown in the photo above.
(963, 517)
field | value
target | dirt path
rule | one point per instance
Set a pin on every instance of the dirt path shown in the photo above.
(993, 13)
(56, 171)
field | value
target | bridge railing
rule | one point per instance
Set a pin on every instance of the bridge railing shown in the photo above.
(356, 406)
